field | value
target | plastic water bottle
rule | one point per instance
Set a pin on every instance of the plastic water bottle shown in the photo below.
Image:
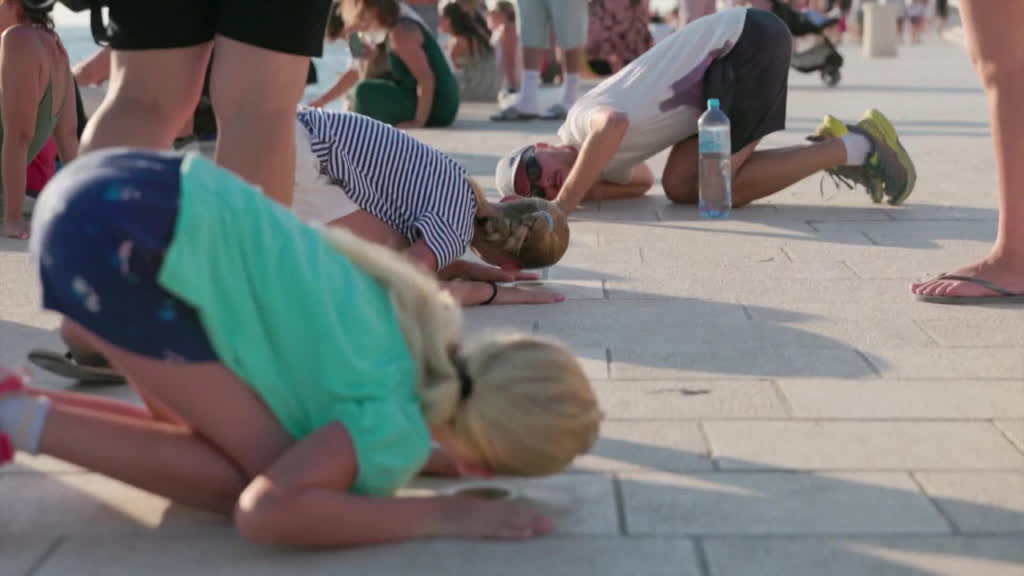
(715, 169)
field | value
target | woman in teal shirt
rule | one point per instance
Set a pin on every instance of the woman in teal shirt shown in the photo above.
(291, 374)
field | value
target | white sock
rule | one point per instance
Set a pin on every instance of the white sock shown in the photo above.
(527, 101)
(570, 90)
(22, 418)
(857, 148)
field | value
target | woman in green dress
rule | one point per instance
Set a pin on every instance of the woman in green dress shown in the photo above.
(422, 90)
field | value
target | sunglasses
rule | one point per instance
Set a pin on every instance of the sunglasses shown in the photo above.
(533, 172)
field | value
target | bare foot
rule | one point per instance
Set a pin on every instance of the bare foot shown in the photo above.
(485, 519)
(999, 271)
(16, 229)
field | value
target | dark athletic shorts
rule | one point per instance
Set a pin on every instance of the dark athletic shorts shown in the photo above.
(100, 232)
(751, 81)
(289, 26)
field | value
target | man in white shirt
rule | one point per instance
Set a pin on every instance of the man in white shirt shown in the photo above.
(739, 56)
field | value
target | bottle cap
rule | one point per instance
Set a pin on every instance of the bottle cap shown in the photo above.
(713, 103)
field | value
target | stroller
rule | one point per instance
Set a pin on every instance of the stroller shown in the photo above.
(823, 56)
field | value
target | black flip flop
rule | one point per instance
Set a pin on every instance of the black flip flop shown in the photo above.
(1002, 295)
(65, 365)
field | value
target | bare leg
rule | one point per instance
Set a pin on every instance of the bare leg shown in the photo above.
(152, 93)
(162, 458)
(755, 174)
(573, 60)
(255, 92)
(995, 44)
(235, 437)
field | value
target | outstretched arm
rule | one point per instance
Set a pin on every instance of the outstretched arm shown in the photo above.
(301, 501)
(607, 129)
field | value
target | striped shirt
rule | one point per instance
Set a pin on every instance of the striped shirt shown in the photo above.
(417, 190)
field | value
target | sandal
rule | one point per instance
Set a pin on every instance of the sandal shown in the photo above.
(1002, 295)
(95, 372)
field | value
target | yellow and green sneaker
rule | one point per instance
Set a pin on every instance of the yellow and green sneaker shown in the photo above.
(889, 160)
(831, 127)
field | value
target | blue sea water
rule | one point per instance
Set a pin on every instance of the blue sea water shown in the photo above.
(79, 43)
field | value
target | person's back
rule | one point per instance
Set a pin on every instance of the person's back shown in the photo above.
(36, 77)
(472, 54)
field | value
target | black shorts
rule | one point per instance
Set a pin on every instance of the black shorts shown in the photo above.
(751, 81)
(289, 26)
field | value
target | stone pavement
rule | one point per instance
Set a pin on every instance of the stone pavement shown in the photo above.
(776, 402)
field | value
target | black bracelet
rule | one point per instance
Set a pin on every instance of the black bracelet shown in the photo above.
(494, 293)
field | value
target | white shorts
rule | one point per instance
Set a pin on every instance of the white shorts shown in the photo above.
(316, 199)
(568, 18)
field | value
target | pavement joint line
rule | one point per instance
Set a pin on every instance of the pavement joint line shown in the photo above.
(708, 448)
(780, 394)
(864, 357)
(852, 270)
(811, 224)
(746, 312)
(620, 506)
(643, 259)
(1008, 436)
(703, 566)
(934, 502)
(980, 535)
(45, 556)
(608, 362)
(646, 472)
(869, 238)
(785, 252)
(605, 292)
(918, 322)
(801, 419)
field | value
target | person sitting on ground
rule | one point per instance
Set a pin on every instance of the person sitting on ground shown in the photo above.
(505, 40)
(738, 56)
(377, 193)
(366, 61)
(37, 102)
(422, 90)
(469, 49)
(294, 377)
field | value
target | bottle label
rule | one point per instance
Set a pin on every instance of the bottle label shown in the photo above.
(716, 142)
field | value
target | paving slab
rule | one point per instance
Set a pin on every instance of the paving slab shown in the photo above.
(20, 554)
(979, 502)
(578, 503)
(895, 556)
(905, 399)
(667, 445)
(777, 503)
(667, 399)
(864, 445)
(45, 505)
(86, 556)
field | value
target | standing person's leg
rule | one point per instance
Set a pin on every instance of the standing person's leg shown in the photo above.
(997, 48)
(255, 93)
(569, 19)
(160, 51)
(260, 64)
(533, 23)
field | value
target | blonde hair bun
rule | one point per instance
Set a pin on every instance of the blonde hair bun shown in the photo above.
(534, 231)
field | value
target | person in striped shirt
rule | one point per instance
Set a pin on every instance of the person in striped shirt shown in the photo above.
(387, 187)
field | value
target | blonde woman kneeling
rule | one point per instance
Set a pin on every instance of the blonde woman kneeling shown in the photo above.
(293, 376)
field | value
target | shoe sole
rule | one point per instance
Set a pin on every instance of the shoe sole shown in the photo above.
(57, 364)
(903, 157)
